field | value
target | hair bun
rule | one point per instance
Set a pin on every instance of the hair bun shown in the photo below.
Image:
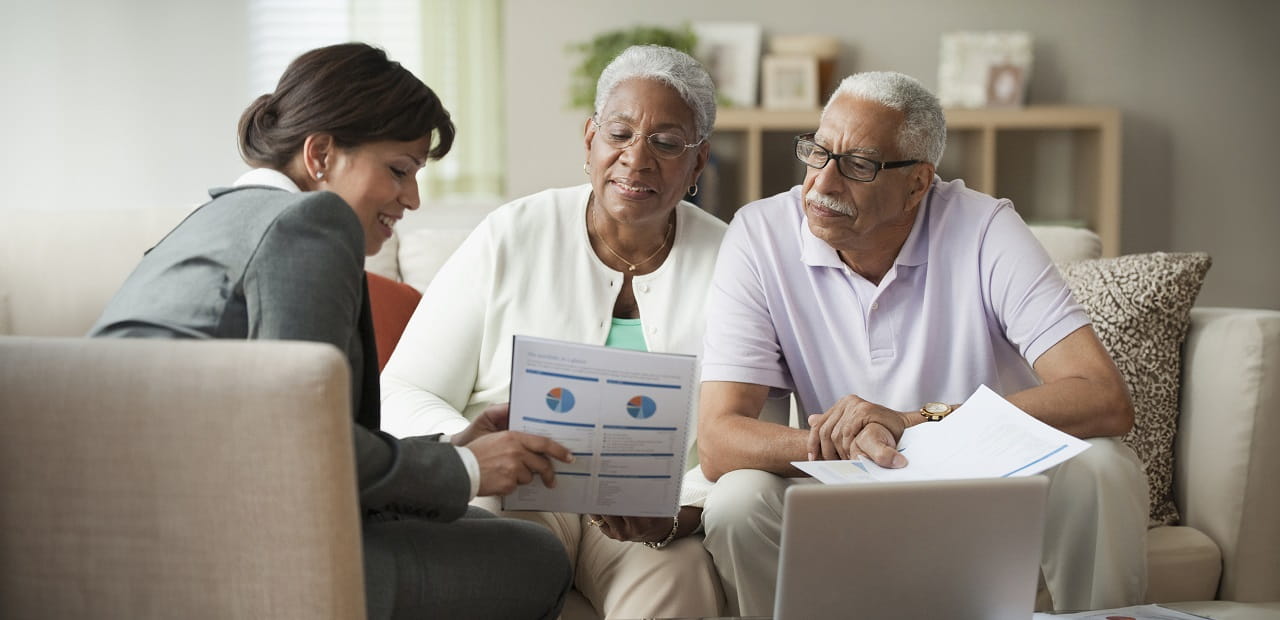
(257, 123)
(264, 113)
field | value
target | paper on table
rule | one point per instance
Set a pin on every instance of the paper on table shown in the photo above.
(987, 437)
(623, 414)
(1138, 612)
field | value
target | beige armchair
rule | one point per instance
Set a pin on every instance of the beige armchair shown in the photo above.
(163, 479)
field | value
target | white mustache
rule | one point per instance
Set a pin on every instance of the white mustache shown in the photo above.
(828, 202)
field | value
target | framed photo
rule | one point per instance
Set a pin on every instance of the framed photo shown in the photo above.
(731, 53)
(790, 82)
(979, 69)
(1005, 88)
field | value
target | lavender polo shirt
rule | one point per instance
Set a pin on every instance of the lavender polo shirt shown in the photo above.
(971, 298)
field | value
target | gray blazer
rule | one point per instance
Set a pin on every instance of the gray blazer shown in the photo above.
(266, 264)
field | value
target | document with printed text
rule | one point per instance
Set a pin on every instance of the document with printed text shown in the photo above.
(987, 437)
(623, 414)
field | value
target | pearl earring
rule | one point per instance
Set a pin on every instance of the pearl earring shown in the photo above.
(319, 175)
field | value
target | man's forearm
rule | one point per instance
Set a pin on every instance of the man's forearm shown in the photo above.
(1079, 407)
(740, 442)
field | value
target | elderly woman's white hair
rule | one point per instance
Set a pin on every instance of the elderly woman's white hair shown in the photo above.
(923, 134)
(670, 66)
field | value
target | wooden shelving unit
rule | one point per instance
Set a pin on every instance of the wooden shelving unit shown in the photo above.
(974, 151)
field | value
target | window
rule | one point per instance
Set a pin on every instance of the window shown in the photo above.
(454, 46)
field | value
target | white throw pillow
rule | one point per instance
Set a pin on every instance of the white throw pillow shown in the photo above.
(1065, 243)
(423, 251)
(385, 263)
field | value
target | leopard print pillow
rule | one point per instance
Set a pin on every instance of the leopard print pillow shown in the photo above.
(1141, 307)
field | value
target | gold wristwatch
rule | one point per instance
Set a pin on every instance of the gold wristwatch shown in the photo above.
(933, 412)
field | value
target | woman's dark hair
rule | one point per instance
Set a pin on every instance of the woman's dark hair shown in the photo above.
(351, 91)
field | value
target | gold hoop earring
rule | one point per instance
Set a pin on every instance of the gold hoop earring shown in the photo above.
(693, 189)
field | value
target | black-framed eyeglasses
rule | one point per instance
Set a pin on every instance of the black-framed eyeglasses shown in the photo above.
(663, 144)
(853, 167)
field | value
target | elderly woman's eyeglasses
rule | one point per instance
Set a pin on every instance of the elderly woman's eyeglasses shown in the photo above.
(854, 167)
(664, 144)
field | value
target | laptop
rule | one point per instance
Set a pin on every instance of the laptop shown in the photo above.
(937, 549)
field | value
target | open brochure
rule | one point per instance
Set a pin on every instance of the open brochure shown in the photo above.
(623, 414)
(987, 437)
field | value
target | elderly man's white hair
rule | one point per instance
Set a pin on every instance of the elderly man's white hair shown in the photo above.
(670, 66)
(923, 134)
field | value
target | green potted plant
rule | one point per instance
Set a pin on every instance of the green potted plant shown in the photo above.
(604, 47)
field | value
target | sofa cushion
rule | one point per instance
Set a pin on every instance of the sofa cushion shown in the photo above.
(1066, 243)
(1182, 564)
(386, 262)
(1140, 305)
(392, 303)
(424, 251)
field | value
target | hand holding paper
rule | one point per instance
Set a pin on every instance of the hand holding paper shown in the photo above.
(987, 437)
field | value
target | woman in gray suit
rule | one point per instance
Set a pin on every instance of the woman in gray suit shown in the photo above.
(280, 256)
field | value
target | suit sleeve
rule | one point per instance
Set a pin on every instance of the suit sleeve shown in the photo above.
(305, 282)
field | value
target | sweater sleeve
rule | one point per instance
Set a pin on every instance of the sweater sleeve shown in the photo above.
(432, 373)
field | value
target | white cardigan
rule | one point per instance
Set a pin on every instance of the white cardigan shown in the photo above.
(529, 269)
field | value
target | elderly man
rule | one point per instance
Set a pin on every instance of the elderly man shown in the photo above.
(882, 296)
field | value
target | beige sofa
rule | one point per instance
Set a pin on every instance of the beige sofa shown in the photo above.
(164, 479)
(57, 270)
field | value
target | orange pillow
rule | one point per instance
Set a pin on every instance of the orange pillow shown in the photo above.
(392, 303)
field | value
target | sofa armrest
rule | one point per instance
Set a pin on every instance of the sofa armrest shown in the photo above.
(1226, 461)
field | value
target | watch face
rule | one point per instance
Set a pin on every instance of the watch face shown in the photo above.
(937, 408)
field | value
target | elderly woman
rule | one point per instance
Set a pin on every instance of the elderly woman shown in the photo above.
(620, 261)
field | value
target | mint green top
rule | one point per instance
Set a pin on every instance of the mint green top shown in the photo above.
(626, 334)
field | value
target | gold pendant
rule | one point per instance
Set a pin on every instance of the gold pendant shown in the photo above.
(633, 268)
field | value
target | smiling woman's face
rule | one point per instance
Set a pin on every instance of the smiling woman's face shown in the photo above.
(379, 181)
(631, 184)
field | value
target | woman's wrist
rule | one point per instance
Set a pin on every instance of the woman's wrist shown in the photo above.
(675, 527)
(684, 523)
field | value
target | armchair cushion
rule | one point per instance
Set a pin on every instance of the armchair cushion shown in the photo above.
(1140, 305)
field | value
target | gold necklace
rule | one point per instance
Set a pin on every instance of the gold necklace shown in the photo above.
(591, 220)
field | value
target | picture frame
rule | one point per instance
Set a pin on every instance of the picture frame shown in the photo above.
(981, 69)
(789, 82)
(731, 53)
(1005, 86)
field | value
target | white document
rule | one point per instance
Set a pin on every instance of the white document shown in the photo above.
(987, 437)
(1138, 612)
(623, 414)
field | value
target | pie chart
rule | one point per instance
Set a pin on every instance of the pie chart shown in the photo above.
(641, 407)
(560, 399)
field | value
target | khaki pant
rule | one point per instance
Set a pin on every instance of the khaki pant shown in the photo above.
(627, 579)
(1094, 553)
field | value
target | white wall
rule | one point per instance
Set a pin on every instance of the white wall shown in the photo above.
(108, 104)
(1194, 80)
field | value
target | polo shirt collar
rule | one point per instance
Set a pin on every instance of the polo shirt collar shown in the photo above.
(817, 253)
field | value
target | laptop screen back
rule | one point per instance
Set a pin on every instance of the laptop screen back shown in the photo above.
(944, 549)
